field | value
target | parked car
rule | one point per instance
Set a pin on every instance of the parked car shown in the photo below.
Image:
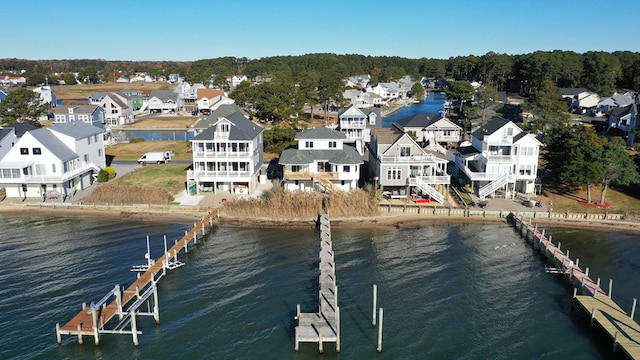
(158, 157)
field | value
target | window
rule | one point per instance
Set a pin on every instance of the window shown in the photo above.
(41, 169)
(37, 151)
(308, 144)
(405, 150)
(332, 144)
(24, 151)
(89, 140)
(53, 168)
(394, 173)
(99, 152)
(295, 168)
(510, 131)
(86, 158)
(525, 169)
(446, 133)
(224, 127)
(346, 169)
(527, 151)
(60, 118)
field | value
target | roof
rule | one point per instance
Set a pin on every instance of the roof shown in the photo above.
(467, 151)
(208, 93)
(386, 135)
(53, 144)
(490, 127)
(76, 129)
(346, 156)
(572, 91)
(5, 131)
(223, 110)
(243, 129)
(321, 132)
(164, 95)
(419, 120)
(22, 128)
(78, 109)
(621, 111)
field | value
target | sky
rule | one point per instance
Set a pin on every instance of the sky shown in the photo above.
(189, 30)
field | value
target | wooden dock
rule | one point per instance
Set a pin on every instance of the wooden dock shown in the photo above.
(324, 325)
(616, 323)
(99, 317)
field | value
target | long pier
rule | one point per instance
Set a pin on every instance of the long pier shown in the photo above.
(324, 325)
(99, 317)
(615, 322)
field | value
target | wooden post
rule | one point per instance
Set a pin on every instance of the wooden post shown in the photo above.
(586, 271)
(595, 291)
(156, 307)
(335, 296)
(94, 320)
(337, 328)
(633, 308)
(203, 229)
(297, 312)
(577, 262)
(568, 254)
(320, 347)
(559, 245)
(575, 292)
(593, 315)
(80, 333)
(615, 342)
(118, 295)
(58, 337)
(375, 301)
(195, 236)
(186, 245)
(297, 343)
(134, 329)
(610, 287)
(550, 241)
(380, 332)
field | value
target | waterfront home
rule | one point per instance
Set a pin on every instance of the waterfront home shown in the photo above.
(500, 158)
(222, 111)
(164, 101)
(431, 130)
(400, 168)
(387, 91)
(362, 99)
(227, 156)
(321, 162)
(90, 114)
(118, 109)
(54, 161)
(356, 125)
(622, 121)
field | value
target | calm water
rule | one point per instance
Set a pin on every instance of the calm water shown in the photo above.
(449, 291)
(432, 103)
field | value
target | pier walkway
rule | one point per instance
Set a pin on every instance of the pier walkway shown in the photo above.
(96, 319)
(324, 325)
(616, 323)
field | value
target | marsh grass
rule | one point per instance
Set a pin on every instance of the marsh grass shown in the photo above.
(281, 204)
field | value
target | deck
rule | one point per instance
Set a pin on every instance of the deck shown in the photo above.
(94, 319)
(324, 325)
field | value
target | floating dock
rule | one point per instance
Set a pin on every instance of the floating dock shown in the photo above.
(100, 317)
(324, 325)
(616, 323)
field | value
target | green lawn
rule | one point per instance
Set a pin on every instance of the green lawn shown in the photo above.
(163, 176)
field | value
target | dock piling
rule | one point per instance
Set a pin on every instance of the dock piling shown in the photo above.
(633, 308)
(380, 332)
(134, 328)
(610, 287)
(337, 328)
(615, 342)
(375, 300)
(80, 333)
(58, 337)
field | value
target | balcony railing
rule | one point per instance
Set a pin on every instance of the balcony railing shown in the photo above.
(221, 155)
(203, 174)
(30, 179)
(413, 159)
(297, 175)
(432, 180)
(499, 158)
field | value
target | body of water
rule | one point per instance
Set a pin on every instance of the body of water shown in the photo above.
(432, 103)
(472, 291)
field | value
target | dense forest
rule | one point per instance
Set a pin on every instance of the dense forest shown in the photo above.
(598, 71)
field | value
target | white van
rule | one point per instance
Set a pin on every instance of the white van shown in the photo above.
(158, 157)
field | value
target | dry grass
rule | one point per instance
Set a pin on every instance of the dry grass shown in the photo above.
(175, 122)
(82, 91)
(151, 184)
(132, 151)
(565, 199)
(280, 204)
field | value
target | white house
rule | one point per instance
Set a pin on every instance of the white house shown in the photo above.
(615, 101)
(47, 95)
(433, 130)
(221, 111)
(118, 109)
(501, 157)
(165, 101)
(358, 81)
(356, 125)
(227, 156)
(210, 99)
(322, 162)
(56, 160)
(387, 91)
(362, 99)
(400, 167)
(622, 121)
(237, 79)
(90, 114)
(580, 99)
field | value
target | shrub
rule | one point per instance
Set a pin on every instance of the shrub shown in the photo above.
(103, 176)
(136, 140)
(111, 170)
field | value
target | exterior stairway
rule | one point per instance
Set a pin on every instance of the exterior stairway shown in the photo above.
(426, 188)
(496, 184)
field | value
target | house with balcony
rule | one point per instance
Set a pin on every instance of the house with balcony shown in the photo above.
(502, 158)
(54, 161)
(90, 114)
(356, 125)
(227, 156)
(401, 168)
(118, 108)
(165, 101)
(322, 162)
(432, 131)
(622, 121)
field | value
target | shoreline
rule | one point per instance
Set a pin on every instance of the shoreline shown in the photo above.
(381, 221)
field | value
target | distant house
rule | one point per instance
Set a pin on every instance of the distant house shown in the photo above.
(13, 80)
(400, 167)
(211, 99)
(616, 101)
(47, 95)
(358, 81)
(356, 125)
(90, 114)
(580, 99)
(322, 162)
(501, 158)
(123, 80)
(8, 138)
(387, 91)
(362, 99)
(53, 161)
(165, 101)
(227, 157)
(431, 130)
(118, 109)
(622, 121)
(236, 80)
